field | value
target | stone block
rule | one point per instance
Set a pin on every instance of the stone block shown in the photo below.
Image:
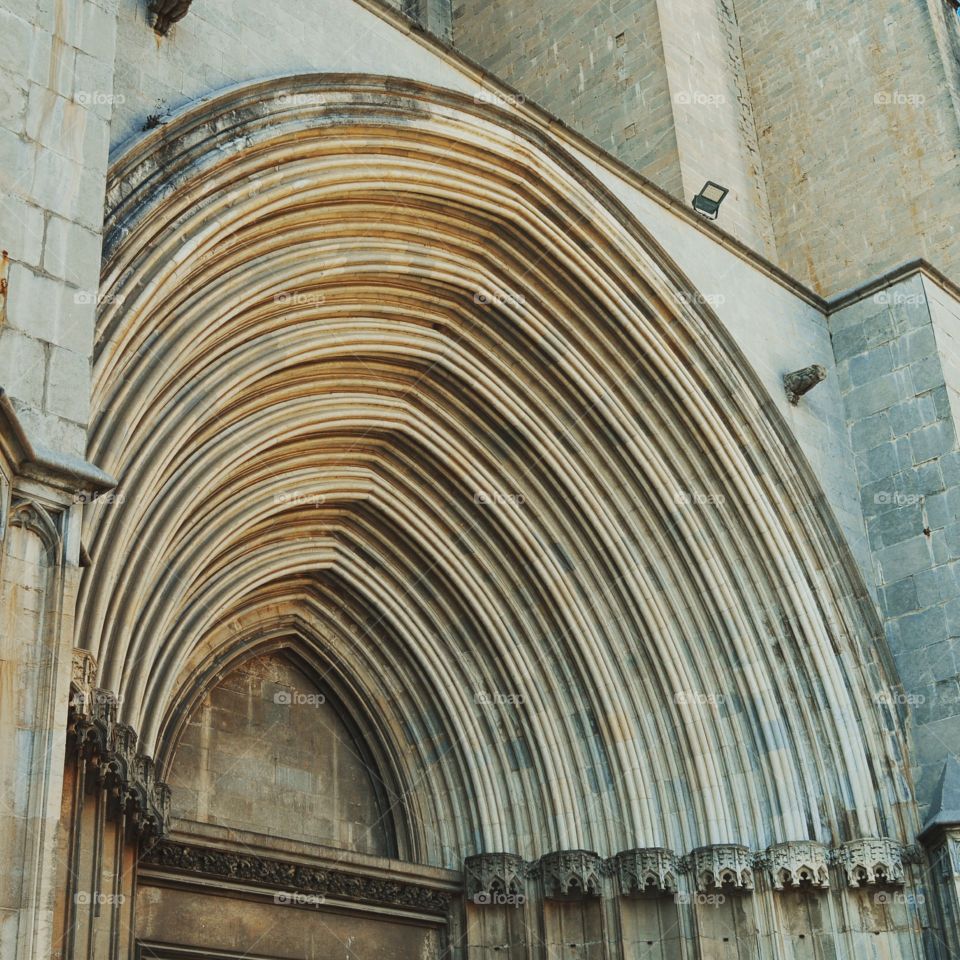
(72, 253)
(22, 366)
(900, 597)
(68, 385)
(21, 230)
(926, 628)
(933, 441)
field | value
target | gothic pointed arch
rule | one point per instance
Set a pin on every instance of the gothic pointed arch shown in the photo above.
(387, 362)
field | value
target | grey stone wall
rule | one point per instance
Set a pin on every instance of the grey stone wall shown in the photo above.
(858, 135)
(897, 355)
(56, 99)
(599, 67)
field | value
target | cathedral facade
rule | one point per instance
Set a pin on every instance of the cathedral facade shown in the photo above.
(479, 478)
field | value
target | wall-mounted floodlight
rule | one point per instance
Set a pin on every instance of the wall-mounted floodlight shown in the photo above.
(708, 200)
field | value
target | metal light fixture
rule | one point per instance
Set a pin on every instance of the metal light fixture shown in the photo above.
(708, 200)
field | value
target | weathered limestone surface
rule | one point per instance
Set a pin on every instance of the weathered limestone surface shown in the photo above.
(401, 377)
(56, 69)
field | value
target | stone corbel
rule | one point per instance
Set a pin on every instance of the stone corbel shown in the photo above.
(489, 876)
(571, 874)
(871, 861)
(166, 13)
(798, 864)
(728, 866)
(649, 871)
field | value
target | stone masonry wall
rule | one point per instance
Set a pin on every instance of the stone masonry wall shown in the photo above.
(599, 66)
(858, 136)
(56, 96)
(897, 355)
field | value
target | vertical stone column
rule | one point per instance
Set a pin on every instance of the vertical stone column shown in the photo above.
(111, 806)
(39, 574)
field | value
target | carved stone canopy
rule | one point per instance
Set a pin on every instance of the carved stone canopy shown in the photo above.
(487, 874)
(797, 864)
(650, 871)
(571, 874)
(871, 861)
(723, 865)
(110, 750)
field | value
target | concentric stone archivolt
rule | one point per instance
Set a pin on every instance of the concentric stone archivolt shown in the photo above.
(385, 373)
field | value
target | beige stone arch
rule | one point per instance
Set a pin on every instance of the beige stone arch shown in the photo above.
(392, 299)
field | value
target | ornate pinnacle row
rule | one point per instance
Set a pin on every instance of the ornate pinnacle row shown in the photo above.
(654, 871)
(871, 861)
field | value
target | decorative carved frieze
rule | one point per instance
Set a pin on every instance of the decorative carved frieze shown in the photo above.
(722, 865)
(800, 863)
(283, 875)
(871, 860)
(650, 870)
(110, 750)
(571, 874)
(488, 875)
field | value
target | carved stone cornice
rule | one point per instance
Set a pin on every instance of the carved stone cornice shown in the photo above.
(487, 874)
(571, 874)
(283, 875)
(871, 861)
(798, 863)
(727, 865)
(648, 871)
(110, 750)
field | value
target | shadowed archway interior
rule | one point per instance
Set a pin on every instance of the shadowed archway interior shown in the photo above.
(384, 372)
